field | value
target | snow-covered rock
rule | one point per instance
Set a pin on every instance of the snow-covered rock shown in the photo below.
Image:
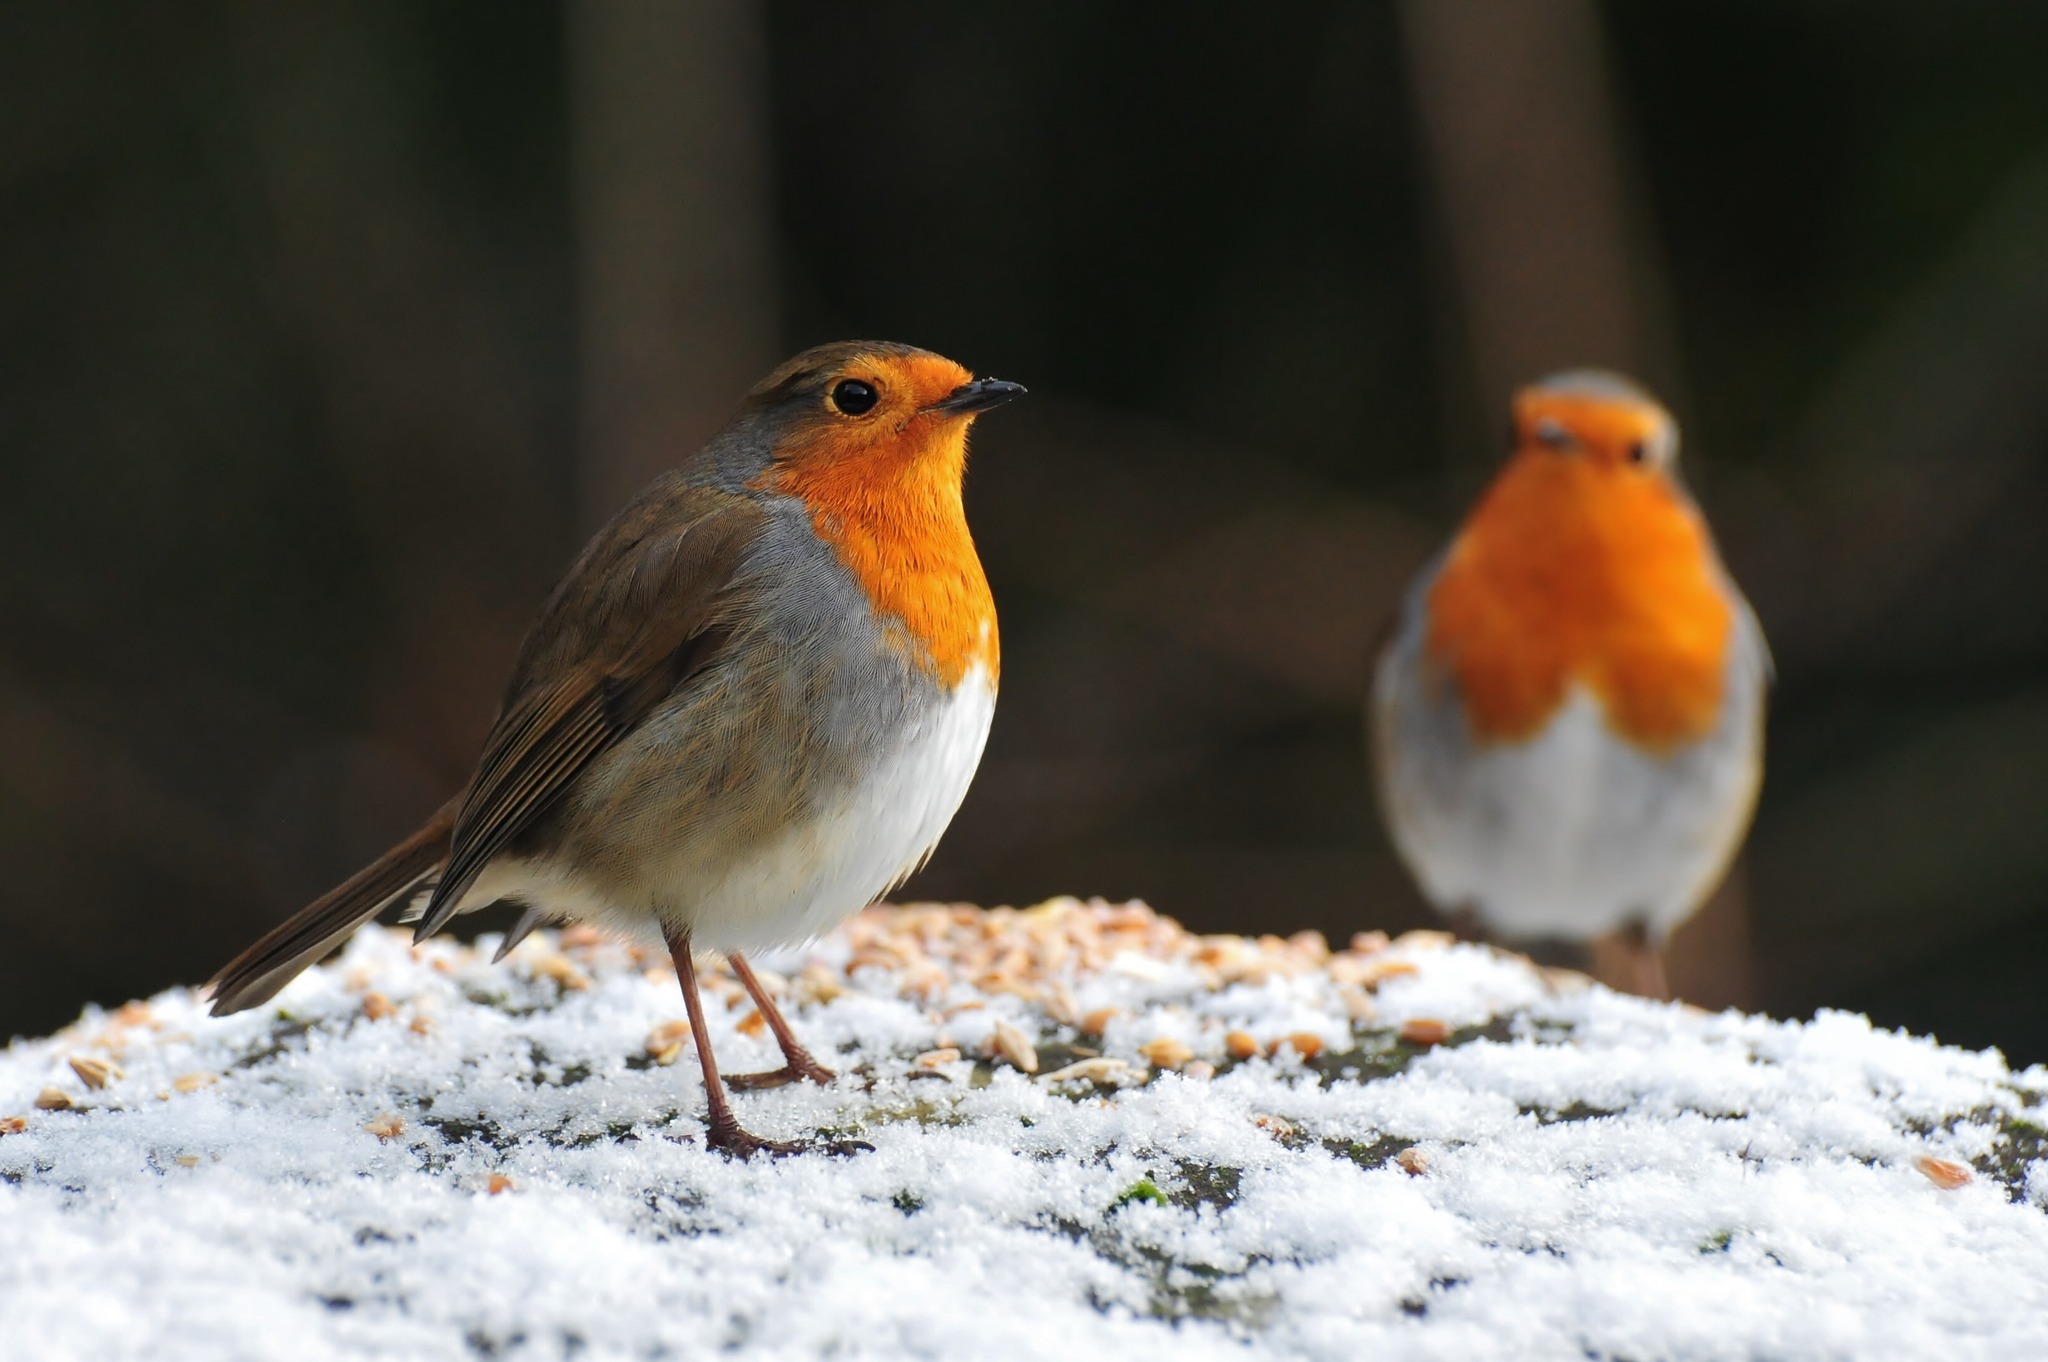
(1259, 1148)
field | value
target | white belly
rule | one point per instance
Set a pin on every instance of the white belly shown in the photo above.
(1576, 832)
(803, 877)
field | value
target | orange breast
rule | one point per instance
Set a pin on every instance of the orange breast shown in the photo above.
(1570, 572)
(893, 514)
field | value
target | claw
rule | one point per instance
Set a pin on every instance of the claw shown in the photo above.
(806, 1072)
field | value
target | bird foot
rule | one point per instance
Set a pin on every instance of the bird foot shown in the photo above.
(737, 1142)
(806, 1070)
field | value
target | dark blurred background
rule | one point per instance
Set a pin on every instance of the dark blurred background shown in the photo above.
(327, 332)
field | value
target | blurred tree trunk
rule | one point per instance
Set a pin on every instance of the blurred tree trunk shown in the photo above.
(676, 249)
(1552, 267)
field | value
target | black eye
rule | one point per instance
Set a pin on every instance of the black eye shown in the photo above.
(1639, 452)
(854, 397)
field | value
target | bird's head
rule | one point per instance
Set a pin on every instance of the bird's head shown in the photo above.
(872, 409)
(1599, 418)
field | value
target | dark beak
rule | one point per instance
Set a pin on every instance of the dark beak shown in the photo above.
(982, 394)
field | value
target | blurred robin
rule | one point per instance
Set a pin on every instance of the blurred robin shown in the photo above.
(750, 708)
(1568, 723)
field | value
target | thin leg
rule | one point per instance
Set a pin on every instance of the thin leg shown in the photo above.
(722, 1129)
(1465, 923)
(1629, 960)
(798, 1066)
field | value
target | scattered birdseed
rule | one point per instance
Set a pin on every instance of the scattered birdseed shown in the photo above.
(1097, 1022)
(194, 1082)
(53, 1099)
(1241, 1044)
(386, 1127)
(1424, 1031)
(13, 1125)
(94, 1073)
(1013, 1046)
(932, 1059)
(753, 1024)
(1101, 1069)
(1166, 1052)
(377, 1007)
(1413, 1161)
(1946, 1174)
(665, 1042)
(1303, 1043)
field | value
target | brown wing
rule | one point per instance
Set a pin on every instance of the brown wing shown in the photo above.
(644, 607)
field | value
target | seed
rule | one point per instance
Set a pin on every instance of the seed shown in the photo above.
(1303, 1043)
(562, 970)
(1201, 1070)
(386, 1127)
(1097, 1022)
(1241, 1044)
(13, 1125)
(753, 1024)
(1101, 1069)
(932, 1059)
(187, 1160)
(1424, 1031)
(421, 1025)
(665, 1042)
(1011, 1044)
(377, 1007)
(1279, 1127)
(1166, 1052)
(194, 1082)
(500, 1183)
(581, 934)
(53, 1099)
(1413, 1161)
(1946, 1174)
(94, 1073)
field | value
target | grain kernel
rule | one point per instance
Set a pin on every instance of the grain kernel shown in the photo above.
(1424, 1031)
(753, 1024)
(1011, 1044)
(1100, 1069)
(1279, 1127)
(500, 1183)
(377, 1007)
(187, 1160)
(194, 1082)
(1096, 1022)
(1166, 1052)
(932, 1059)
(1413, 1161)
(1241, 1044)
(53, 1099)
(13, 1125)
(1303, 1043)
(1946, 1174)
(386, 1127)
(94, 1073)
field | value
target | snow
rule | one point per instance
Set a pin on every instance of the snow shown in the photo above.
(1571, 1173)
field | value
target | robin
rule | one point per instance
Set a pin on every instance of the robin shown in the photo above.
(750, 708)
(1568, 722)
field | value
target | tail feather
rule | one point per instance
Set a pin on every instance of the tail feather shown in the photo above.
(255, 976)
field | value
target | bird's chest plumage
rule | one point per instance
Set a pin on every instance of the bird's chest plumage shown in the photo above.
(1570, 577)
